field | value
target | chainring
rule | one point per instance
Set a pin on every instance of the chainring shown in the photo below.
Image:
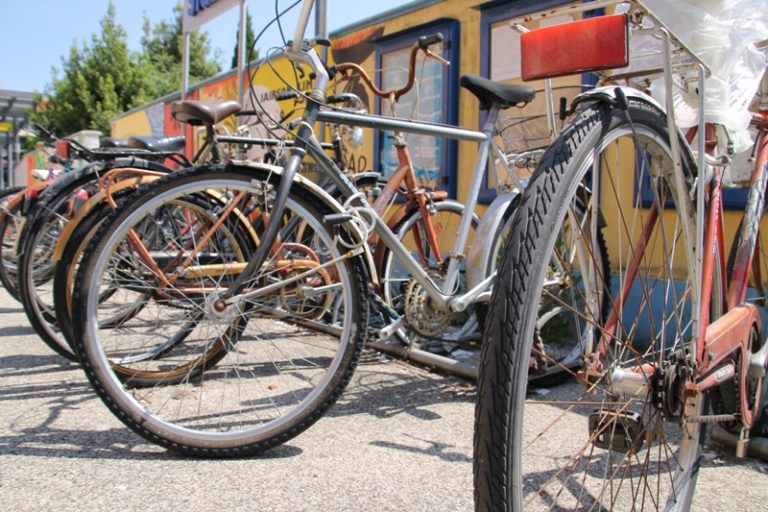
(419, 314)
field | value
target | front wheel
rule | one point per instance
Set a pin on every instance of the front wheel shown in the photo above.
(617, 433)
(245, 374)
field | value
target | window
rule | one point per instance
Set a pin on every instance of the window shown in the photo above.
(521, 128)
(432, 99)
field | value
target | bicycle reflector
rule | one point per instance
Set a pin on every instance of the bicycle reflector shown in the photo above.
(581, 46)
(62, 149)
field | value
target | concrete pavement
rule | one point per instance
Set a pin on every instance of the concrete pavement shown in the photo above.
(400, 439)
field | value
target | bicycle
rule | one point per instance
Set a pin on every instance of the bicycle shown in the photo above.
(288, 313)
(114, 184)
(670, 343)
(424, 222)
(58, 207)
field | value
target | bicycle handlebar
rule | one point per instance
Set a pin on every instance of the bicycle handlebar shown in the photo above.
(345, 69)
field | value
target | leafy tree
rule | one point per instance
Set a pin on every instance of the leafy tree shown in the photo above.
(98, 82)
(161, 58)
(103, 79)
(250, 37)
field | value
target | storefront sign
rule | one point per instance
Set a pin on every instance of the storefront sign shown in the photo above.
(199, 12)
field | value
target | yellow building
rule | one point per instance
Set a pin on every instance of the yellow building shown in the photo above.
(477, 40)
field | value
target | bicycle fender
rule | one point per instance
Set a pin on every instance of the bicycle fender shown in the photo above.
(608, 94)
(480, 254)
(88, 206)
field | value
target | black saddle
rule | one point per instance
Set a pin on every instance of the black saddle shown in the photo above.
(494, 93)
(114, 142)
(162, 145)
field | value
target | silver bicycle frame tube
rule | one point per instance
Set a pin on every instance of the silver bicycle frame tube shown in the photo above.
(442, 296)
(301, 26)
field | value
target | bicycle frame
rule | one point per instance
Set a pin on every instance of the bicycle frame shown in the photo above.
(735, 331)
(441, 295)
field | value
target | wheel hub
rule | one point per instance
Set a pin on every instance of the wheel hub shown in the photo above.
(217, 309)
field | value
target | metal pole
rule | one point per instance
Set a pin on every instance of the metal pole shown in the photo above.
(17, 148)
(8, 160)
(241, 53)
(321, 32)
(321, 26)
(185, 66)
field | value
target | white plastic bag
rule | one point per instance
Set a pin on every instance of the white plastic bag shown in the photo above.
(722, 33)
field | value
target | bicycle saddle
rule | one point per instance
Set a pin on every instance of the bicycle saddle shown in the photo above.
(490, 92)
(205, 113)
(163, 145)
(114, 142)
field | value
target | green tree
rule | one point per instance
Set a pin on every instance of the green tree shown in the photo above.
(161, 56)
(250, 37)
(102, 79)
(98, 81)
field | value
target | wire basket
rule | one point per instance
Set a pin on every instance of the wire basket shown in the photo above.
(525, 134)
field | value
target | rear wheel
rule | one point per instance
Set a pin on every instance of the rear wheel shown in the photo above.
(617, 433)
(404, 295)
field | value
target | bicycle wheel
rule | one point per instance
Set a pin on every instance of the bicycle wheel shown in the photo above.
(11, 222)
(616, 435)
(280, 364)
(40, 237)
(122, 296)
(405, 296)
(36, 267)
(66, 269)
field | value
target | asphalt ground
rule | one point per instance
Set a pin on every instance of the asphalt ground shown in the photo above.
(400, 439)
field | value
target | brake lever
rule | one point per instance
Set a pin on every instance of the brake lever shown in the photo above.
(437, 57)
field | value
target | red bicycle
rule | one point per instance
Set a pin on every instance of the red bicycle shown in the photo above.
(670, 327)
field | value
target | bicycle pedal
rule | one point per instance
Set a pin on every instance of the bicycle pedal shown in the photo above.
(618, 431)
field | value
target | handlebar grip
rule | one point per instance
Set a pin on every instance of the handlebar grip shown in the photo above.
(286, 95)
(343, 97)
(427, 41)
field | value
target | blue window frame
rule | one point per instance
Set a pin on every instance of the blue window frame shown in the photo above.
(433, 99)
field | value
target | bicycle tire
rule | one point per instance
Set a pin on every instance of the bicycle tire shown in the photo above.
(36, 266)
(553, 318)
(217, 414)
(122, 367)
(45, 224)
(534, 449)
(11, 222)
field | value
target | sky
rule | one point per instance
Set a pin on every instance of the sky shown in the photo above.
(38, 33)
